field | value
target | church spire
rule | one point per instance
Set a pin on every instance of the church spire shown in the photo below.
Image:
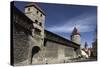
(85, 46)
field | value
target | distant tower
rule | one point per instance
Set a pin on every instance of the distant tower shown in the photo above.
(85, 46)
(75, 36)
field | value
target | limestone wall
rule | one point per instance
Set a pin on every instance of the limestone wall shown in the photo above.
(58, 53)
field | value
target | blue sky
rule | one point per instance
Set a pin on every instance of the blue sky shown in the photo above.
(62, 18)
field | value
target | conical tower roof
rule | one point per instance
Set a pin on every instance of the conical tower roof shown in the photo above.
(85, 46)
(75, 31)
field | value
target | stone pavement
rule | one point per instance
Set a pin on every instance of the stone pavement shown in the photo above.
(80, 60)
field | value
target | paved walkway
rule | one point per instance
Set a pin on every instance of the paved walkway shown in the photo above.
(79, 60)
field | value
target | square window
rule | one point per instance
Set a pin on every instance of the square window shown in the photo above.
(40, 24)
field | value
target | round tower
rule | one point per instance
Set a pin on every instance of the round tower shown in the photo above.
(75, 36)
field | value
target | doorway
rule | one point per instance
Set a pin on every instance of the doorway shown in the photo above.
(35, 50)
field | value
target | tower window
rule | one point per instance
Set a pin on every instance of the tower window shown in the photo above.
(37, 31)
(40, 24)
(36, 21)
(28, 9)
(37, 12)
(41, 15)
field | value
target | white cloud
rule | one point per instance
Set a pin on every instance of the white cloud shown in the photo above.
(84, 22)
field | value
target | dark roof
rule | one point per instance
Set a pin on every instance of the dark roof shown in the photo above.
(36, 6)
(75, 31)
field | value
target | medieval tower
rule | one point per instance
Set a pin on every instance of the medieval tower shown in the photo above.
(38, 18)
(75, 36)
(33, 12)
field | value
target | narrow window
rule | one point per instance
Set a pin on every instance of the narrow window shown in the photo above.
(28, 9)
(36, 21)
(41, 15)
(37, 12)
(40, 24)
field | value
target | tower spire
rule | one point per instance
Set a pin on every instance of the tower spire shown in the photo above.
(85, 46)
(75, 36)
(75, 31)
